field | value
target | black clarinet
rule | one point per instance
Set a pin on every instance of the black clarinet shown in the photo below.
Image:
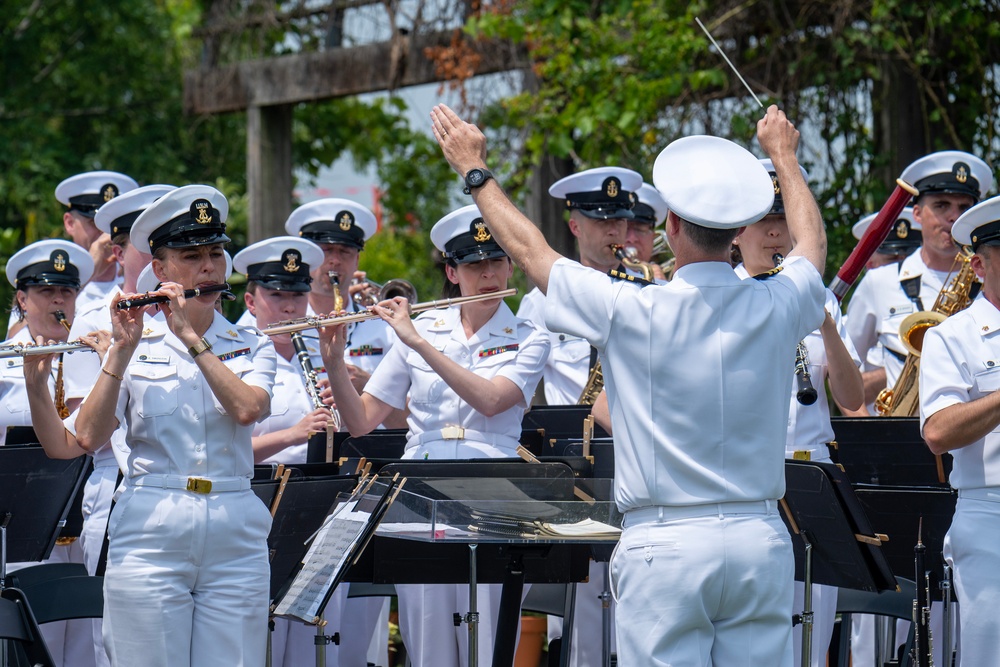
(922, 651)
(805, 392)
(147, 300)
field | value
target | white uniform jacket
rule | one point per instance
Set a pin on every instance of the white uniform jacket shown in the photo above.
(696, 372)
(505, 346)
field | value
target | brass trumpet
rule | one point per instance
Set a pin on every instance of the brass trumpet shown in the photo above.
(390, 289)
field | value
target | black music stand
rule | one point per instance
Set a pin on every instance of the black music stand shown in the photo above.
(392, 560)
(897, 512)
(302, 510)
(887, 451)
(35, 497)
(833, 542)
(559, 421)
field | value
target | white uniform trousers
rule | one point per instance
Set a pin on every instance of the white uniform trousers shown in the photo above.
(428, 630)
(824, 604)
(972, 547)
(97, 494)
(187, 579)
(712, 590)
(587, 649)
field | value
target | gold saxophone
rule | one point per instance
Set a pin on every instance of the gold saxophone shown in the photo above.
(901, 400)
(60, 397)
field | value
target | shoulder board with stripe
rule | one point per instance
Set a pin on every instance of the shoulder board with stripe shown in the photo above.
(767, 274)
(621, 275)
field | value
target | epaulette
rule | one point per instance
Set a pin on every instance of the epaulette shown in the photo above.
(767, 274)
(621, 275)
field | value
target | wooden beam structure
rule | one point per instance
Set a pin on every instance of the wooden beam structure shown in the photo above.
(338, 72)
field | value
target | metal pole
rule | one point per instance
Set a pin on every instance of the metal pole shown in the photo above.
(606, 616)
(807, 610)
(473, 616)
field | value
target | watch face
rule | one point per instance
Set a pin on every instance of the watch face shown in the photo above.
(476, 177)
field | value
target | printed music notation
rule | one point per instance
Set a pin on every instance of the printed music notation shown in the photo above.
(327, 555)
(586, 529)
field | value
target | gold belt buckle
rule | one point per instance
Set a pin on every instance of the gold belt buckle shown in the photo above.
(199, 485)
(453, 433)
(802, 455)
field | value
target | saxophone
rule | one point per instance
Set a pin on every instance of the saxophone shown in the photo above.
(901, 400)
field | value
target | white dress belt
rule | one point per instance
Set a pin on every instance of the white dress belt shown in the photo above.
(202, 485)
(460, 433)
(663, 513)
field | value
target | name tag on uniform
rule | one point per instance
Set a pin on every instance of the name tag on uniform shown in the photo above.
(153, 359)
(226, 356)
(497, 350)
(364, 351)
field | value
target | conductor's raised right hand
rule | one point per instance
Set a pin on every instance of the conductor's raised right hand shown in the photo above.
(776, 134)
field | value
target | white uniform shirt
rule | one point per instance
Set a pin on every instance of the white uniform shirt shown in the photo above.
(94, 294)
(290, 402)
(698, 408)
(13, 393)
(568, 364)
(505, 346)
(176, 425)
(809, 427)
(879, 306)
(960, 363)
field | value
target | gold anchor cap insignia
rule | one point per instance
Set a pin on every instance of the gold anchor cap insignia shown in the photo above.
(612, 187)
(480, 234)
(291, 261)
(346, 220)
(59, 261)
(109, 192)
(902, 229)
(201, 211)
(961, 171)
(774, 182)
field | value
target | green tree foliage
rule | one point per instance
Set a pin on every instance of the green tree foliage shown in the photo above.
(872, 84)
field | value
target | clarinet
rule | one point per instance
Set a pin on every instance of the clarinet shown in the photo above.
(805, 392)
(322, 439)
(922, 652)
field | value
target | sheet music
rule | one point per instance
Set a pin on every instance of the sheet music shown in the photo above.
(326, 557)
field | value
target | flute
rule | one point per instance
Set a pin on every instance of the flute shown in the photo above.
(316, 322)
(26, 350)
(126, 304)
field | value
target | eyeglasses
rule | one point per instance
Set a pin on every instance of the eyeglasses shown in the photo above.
(640, 228)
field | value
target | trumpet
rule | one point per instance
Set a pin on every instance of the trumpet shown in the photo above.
(314, 322)
(376, 292)
(627, 256)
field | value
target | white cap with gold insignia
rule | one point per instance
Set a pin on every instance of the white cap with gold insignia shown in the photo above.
(333, 220)
(280, 263)
(85, 193)
(463, 237)
(50, 262)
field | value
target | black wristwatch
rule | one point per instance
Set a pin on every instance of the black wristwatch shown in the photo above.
(476, 178)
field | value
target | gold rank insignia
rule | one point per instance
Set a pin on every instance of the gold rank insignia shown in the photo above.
(481, 233)
(439, 323)
(346, 220)
(59, 261)
(231, 333)
(508, 330)
(767, 274)
(961, 171)
(201, 211)
(291, 261)
(109, 192)
(612, 187)
(146, 332)
(902, 231)
(774, 183)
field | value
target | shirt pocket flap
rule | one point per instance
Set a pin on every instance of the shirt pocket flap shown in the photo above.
(239, 365)
(988, 380)
(152, 371)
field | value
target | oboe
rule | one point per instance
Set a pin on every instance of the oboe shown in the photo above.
(312, 387)
(805, 392)
(126, 304)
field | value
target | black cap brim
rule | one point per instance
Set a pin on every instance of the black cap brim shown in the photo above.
(606, 213)
(478, 255)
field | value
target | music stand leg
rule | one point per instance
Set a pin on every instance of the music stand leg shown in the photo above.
(270, 631)
(3, 550)
(807, 610)
(606, 617)
(509, 616)
(473, 615)
(569, 616)
(320, 642)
